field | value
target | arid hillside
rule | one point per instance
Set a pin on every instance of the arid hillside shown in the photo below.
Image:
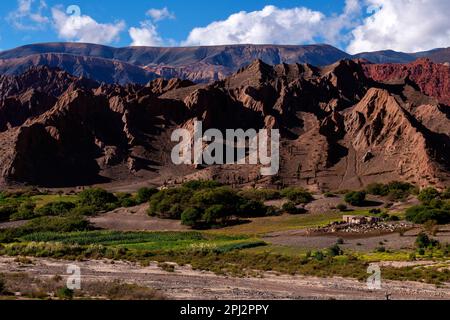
(340, 128)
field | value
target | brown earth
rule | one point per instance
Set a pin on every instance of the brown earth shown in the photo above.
(135, 219)
(186, 283)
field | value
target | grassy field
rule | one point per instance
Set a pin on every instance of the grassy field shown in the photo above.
(261, 226)
(42, 200)
(150, 241)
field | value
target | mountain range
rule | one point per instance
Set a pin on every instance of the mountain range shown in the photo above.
(342, 125)
(199, 64)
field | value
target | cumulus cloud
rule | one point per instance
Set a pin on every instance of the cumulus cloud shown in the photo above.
(83, 28)
(403, 25)
(147, 34)
(269, 25)
(29, 15)
(273, 25)
(160, 14)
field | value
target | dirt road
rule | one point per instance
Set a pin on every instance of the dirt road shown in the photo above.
(186, 283)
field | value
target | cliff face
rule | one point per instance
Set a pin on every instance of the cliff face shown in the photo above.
(432, 79)
(340, 128)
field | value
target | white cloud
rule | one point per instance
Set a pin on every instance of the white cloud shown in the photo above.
(403, 25)
(160, 14)
(146, 35)
(83, 28)
(270, 25)
(29, 15)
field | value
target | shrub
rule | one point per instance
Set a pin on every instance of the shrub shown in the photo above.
(24, 212)
(328, 195)
(423, 241)
(200, 184)
(427, 195)
(214, 213)
(55, 208)
(421, 214)
(355, 198)
(297, 195)
(170, 203)
(340, 241)
(191, 217)
(380, 249)
(2, 284)
(97, 198)
(341, 207)
(56, 224)
(335, 251)
(252, 208)
(125, 200)
(7, 210)
(446, 194)
(395, 190)
(65, 294)
(291, 208)
(144, 194)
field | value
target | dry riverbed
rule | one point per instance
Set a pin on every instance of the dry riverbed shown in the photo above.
(185, 283)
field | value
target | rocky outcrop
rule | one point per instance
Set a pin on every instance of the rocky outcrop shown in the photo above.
(432, 79)
(340, 129)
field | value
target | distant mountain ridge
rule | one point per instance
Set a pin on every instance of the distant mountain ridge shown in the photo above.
(199, 64)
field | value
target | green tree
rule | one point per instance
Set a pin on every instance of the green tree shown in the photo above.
(427, 195)
(355, 198)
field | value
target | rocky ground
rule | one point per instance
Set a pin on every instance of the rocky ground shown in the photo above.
(186, 283)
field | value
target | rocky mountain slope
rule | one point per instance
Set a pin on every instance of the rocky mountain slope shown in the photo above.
(340, 129)
(198, 64)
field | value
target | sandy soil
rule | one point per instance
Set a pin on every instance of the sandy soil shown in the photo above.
(362, 243)
(135, 219)
(186, 283)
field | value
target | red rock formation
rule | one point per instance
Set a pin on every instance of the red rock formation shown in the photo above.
(433, 79)
(340, 129)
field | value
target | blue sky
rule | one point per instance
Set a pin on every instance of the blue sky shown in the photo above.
(352, 25)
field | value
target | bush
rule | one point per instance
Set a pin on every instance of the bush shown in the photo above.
(24, 212)
(341, 207)
(209, 206)
(191, 217)
(97, 198)
(423, 241)
(2, 284)
(65, 293)
(200, 184)
(7, 210)
(427, 195)
(55, 208)
(215, 213)
(170, 203)
(355, 198)
(446, 194)
(291, 208)
(335, 251)
(144, 194)
(421, 214)
(394, 190)
(252, 209)
(297, 195)
(56, 224)
(125, 200)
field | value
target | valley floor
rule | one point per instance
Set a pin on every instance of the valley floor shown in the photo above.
(185, 283)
